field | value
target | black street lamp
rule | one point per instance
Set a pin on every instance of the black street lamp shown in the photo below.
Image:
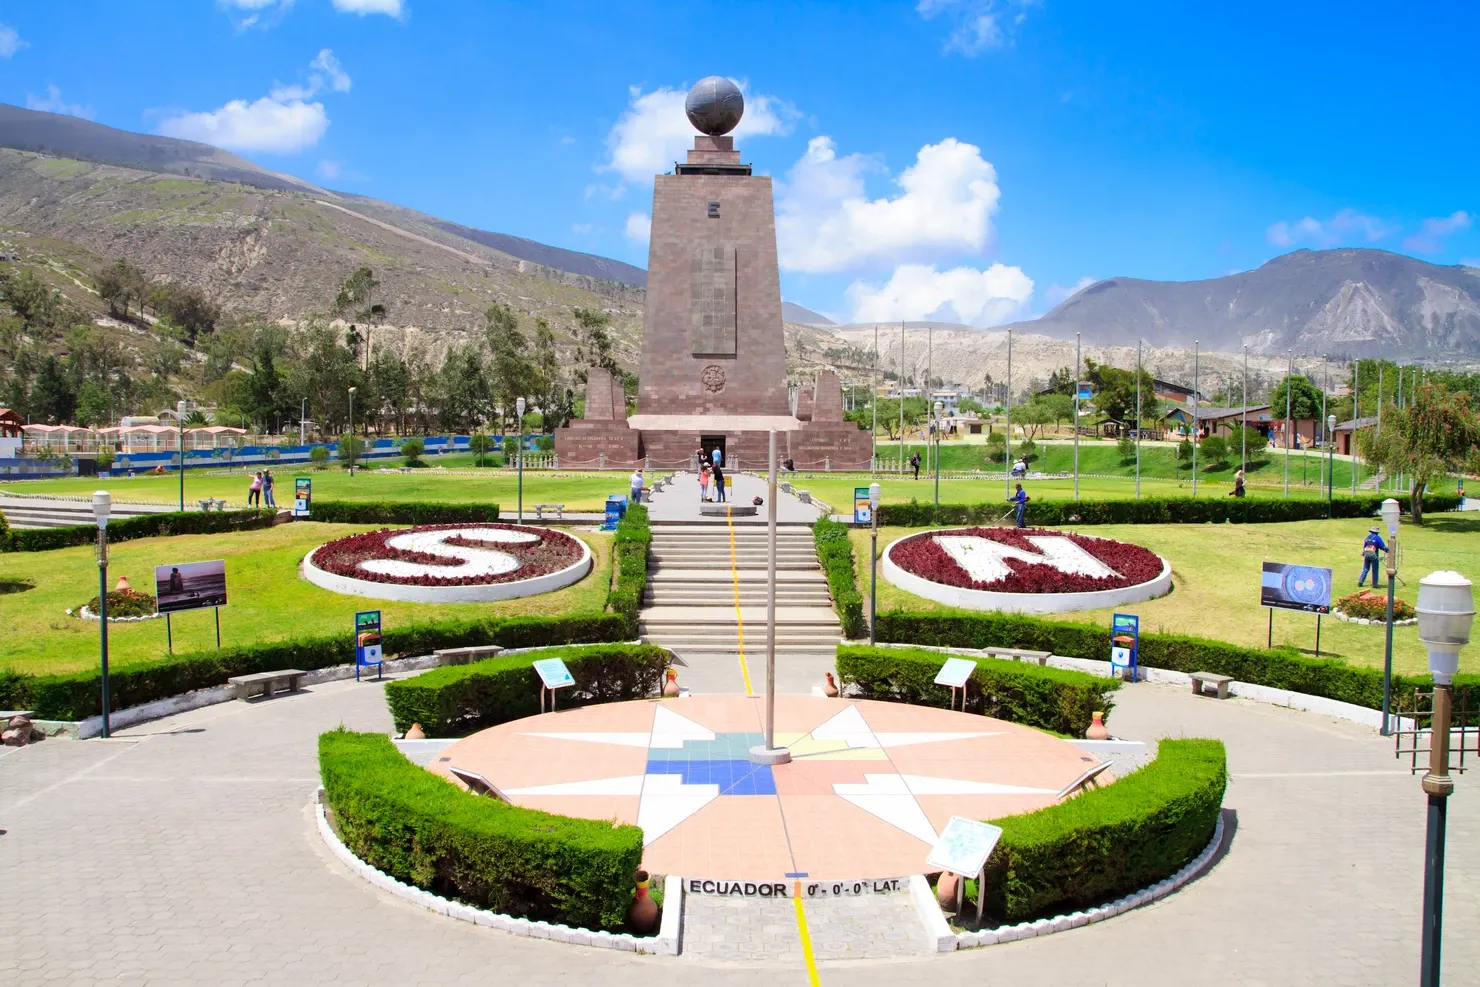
(102, 503)
(519, 408)
(938, 408)
(873, 571)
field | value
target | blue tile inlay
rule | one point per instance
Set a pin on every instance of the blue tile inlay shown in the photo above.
(732, 777)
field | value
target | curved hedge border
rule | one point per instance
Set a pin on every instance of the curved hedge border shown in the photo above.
(1109, 841)
(1037, 696)
(835, 552)
(393, 512)
(139, 526)
(459, 699)
(630, 548)
(1278, 668)
(1179, 510)
(423, 830)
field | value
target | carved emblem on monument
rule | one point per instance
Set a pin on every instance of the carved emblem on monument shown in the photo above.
(713, 378)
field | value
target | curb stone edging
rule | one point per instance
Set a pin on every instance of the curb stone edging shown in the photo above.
(83, 613)
(1074, 920)
(1339, 615)
(666, 943)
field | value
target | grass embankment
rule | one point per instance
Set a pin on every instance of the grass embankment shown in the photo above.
(1216, 573)
(269, 601)
(577, 491)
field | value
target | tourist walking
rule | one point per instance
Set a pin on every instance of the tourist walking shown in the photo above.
(717, 454)
(254, 491)
(915, 464)
(719, 482)
(1238, 484)
(1020, 498)
(267, 487)
(1372, 548)
(704, 478)
(636, 483)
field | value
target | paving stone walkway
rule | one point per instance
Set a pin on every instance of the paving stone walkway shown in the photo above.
(867, 927)
(184, 852)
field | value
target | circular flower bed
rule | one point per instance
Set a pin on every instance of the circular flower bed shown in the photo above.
(123, 605)
(1024, 570)
(1368, 607)
(449, 563)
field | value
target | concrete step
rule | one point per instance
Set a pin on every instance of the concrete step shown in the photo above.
(720, 596)
(784, 577)
(722, 615)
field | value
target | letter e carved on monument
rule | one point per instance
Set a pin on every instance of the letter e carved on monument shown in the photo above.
(713, 315)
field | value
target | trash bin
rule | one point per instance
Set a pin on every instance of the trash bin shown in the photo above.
(616, 508)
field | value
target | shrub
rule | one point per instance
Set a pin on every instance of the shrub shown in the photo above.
(424, 830)
(124, 603)
(1373, 606)
(1126, 446)
(459, 699)
(630, 549)
(412, 450)
(1184, 454)
(5, 535)
(480, 445)
(75, 696)
(1047, 698)
(1109, 841)
(104, 461)
(141, 526)
(1027, 451)
(350, 449)
(319, 456)
(545, 443)
(1214, 449)
(395, 512)
(835, 552)
(1180, 510)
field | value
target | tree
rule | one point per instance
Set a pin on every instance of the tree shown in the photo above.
(319, 456)
(1060, 406)
(412, 449)
(94, 405)
(511, 373)
(1184, 453)
(356, 296)
(350, 449)
(1126, 446)
(480, 445)
(1027, 451)
(1031, 418)
(111, 287)
(1437, 434)
(596, 341)
(1214, 449)
(550, 390)
(1305, 399)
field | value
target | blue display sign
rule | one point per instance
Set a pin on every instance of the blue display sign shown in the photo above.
(863, 511)
(367, 642)
(1125, 643)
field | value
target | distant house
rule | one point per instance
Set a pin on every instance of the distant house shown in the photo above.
(1346, 431)
(1219, 421)
(1164, 390)
(11, 434)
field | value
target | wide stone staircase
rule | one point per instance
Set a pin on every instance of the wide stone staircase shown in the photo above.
(48, 512)
(707, 587)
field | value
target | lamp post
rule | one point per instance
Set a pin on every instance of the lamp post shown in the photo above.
(102, 503)
(873, 556)
(519, 410)
(1078, 370)
(1390, 513)
(302, 422)
(1330, 462)
(1138, 419)
(351, 428)
(1289, 371)
(180, 422)
(767, 752)
(1243, 432)
(1446, 608)
(938, 407)
(1196, 430)
(1007, 445)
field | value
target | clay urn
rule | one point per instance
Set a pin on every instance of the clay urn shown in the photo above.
(643, 915)
(830, 690)
(670, 687)
(122, 586)
(1097, 729)
(416, 732)
(945, 891)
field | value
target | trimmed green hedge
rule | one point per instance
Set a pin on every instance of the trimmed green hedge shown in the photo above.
(386, 512)
(1179, 510)
(1110, 841)
(630, 548)
(77, 695)
(423, 830)
(835, 552)
(459, 699)
(1278, 668)
(139, 526)
(1047, 698)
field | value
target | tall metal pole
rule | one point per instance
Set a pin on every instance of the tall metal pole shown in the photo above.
(901, 395)
(103, 617)
(1378, 484)
(1289, 369)
(1138, 419)
(1356, 414)
(180, 421)
(302, 421)
(873, 561)
(874, 403)
(1078, 370)
(1243, 459)
(1007, 446)
(1398, 473)
(768, 752)
(1438, 785)
(929, 396)
(935, 410)
(1325, 386)
(1196, 431)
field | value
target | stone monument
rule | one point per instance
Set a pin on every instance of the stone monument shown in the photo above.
(713, 371)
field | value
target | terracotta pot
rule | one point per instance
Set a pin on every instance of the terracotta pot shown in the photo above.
(670, 687)
(830, 690)
(945, 891)
(643, 915)
(1097, 729)
(121, 585)
(416, 732)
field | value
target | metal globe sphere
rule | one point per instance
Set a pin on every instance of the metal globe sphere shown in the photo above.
(714, 106)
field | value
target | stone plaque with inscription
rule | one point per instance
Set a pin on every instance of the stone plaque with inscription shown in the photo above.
(713, 315)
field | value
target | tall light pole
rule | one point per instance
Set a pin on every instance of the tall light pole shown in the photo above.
(1195, 429)
(352, 430)
(1289, 370)
(767, 752)
(1007, 445)
(303, 422)
(1325, 387)
(1243, 432)
(936, 430)
(929, 387)
(519, 410)
(1356, 414)
(180, 422)
(1078, 372)
(1138, 419)
(102, 503)
(1390, 512)
(901, 395)
(873, 565)
(873, 462)
(1446, 608)
(1377, 485)
(1330, 463)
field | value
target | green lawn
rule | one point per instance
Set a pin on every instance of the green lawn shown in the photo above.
(269, 600)
(1215, 577)
(577, 491)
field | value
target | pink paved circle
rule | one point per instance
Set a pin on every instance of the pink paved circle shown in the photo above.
(869, 787)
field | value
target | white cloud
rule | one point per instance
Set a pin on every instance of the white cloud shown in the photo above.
(282, 122)
(10, 41)
(265, 125)
(961, 294)
(330, 169)
(655, 132)
(639, 227)
(1430, 238)
(825, 223)
(582, 229)
(363, 7)
(262, 13)
(1343, 227)
(1057, 293)
(602, 190)
(976, 25)
(53, 103)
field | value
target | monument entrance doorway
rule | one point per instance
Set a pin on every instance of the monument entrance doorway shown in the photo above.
(709, 443)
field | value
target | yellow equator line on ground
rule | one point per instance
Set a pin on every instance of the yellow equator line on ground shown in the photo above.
(806, 936)
(739, 620)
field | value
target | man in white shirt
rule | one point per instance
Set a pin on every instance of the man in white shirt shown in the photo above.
(636, 481)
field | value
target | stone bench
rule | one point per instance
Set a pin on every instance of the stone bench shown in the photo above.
(212, 504)
(1221, 681)
(266, 681)
(462, 656)
(1018, 654)
(540, 509)
(707, 509)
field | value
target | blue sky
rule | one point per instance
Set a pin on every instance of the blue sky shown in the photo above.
(965, 159)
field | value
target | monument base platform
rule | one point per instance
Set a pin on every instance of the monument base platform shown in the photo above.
(669, 441)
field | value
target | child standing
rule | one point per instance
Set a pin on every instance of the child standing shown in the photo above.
(704, 482)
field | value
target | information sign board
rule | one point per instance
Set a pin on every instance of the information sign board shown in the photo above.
(964, 846)
(954, 673)
(302, 495)
(367, 642)
(189, 586)
(863, 511)
(1286, 586)
(553, 673)
(1125, 641)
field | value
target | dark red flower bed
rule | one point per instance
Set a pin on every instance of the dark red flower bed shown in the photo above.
(554, 551)
(920, 555)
